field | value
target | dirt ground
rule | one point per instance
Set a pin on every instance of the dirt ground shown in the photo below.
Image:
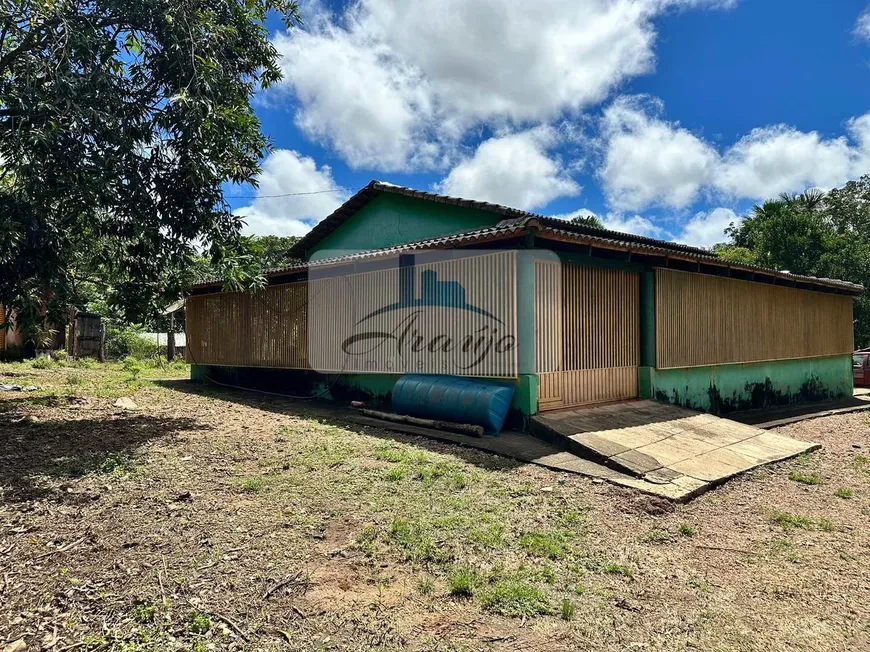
(208, 519)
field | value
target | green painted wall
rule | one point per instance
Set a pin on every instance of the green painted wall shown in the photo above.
(374, 388)
(390, 219)
(648, 319)
(727, 388)
(526, 362)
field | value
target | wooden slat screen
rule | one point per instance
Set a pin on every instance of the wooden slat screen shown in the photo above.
(266, 329)
(303, 325)
(706, 320)
(588, 337)
(548, 315)
(602, 316)
(548, 332)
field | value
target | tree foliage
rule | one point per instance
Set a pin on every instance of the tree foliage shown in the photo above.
(119, 122)
(816, 234)
(588, 220)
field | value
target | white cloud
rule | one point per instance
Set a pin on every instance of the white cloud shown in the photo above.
(515, 170)
(287, 171)
(778, 159)
(354, 98)
(862, 26)
(636, 224)
(651, 162)
(394, 84)
(708, 228)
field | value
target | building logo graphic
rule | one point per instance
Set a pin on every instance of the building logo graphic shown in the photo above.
(435, 293)
(431, 324)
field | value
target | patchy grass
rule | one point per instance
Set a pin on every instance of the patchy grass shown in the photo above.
(515, 598)
(396, 473)
(200, 622)
(298, 528)
(414, 541)
(845, 493)
(805, 478)
(789, 521)
(862, 464)
(462, 581)
(613, 568)
(490, 535)
(116, 464)
(426, 586)
(552, 545)
(144, 613)
(685, 530)
(658, 535)
(252, 485)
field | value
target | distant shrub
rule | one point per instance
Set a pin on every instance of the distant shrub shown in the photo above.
(43, 362)
(126, 341)
(141, 347)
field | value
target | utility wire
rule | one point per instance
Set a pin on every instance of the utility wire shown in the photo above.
(286, 194)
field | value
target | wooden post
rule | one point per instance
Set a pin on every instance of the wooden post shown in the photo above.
(170, 338)
(101, 354)
(74, 336)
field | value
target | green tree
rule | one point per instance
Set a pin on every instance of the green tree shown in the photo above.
(588, 220)
(274, 250)
(119, 122)
(735, 254)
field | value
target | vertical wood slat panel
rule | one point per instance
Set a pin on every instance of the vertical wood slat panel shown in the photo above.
(705, 320)
(601, 316)
(595, 358)
(549, 332)
(301, 325)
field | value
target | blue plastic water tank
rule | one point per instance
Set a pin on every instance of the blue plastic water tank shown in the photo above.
(453, 398)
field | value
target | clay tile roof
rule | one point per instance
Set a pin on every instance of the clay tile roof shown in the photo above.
(349, 208)
(516, 223)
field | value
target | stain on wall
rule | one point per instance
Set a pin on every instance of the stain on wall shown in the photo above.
(722, 389)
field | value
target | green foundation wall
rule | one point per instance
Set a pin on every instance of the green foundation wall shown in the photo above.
(375, 389)
(728, 388)
(395, 219)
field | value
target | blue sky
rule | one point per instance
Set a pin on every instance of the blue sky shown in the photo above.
(667, 118)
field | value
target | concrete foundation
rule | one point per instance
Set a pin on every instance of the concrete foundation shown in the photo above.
(722, 389)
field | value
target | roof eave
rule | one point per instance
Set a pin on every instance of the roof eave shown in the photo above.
(711, 259)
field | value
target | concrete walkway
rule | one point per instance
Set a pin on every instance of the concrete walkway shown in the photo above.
(663, 444)
(525, 448)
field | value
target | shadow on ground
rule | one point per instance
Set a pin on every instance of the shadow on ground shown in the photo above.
(334, 414)
(34, 453)
(773, 414)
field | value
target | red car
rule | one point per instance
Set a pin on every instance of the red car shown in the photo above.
(861, 368)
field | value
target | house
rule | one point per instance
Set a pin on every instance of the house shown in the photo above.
(398, 280)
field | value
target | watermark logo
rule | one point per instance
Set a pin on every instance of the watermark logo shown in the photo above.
(438, 313)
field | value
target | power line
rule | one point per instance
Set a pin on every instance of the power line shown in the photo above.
(286, 194)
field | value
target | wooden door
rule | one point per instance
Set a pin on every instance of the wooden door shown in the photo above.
(588, 334)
